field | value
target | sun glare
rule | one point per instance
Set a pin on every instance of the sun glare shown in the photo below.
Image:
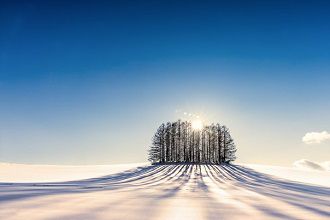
(197, 124)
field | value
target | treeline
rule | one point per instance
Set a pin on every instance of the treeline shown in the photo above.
(179, 142)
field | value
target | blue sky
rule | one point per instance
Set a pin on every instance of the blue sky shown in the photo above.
(89, 82)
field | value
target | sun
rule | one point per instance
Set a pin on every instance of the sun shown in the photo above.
(197, 124)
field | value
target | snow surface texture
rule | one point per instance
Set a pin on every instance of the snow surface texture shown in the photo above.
(172, 192)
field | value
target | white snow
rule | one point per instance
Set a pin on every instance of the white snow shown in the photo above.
(311, 165)
(11, 172)
(163, 192)
(300, 174)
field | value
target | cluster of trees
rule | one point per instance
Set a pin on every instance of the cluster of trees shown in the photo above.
(179, 142)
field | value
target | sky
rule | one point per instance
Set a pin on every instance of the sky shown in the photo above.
(90, 82)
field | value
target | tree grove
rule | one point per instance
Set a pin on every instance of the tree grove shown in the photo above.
(176, 142)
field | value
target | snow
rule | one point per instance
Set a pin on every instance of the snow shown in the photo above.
(311, 165)
(181, 191)
(300, 174)
(11, 172)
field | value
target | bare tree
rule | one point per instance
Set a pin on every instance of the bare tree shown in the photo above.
(179, 142)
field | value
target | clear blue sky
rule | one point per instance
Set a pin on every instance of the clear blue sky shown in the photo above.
(89, 82)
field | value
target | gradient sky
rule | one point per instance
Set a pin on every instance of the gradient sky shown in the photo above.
(89, 82)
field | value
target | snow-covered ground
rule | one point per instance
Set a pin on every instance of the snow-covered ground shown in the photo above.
(163, 192)
(24, 173)
(309, 176)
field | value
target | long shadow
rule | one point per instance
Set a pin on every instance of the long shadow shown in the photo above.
(15, 191)
(135, 179)
(171, 178)
(307, 197)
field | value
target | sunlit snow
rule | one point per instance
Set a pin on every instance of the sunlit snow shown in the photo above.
(182, 191)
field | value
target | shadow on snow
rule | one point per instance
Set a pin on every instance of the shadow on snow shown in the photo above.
(165, 181)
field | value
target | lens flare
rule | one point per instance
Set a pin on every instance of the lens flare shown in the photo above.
(197, 124)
